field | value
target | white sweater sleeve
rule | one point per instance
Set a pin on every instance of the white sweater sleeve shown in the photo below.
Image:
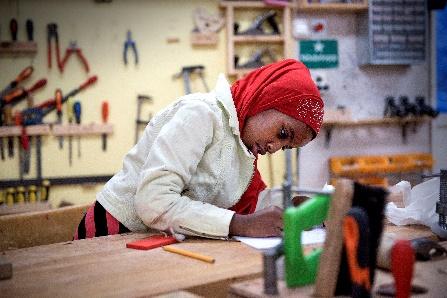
(171, 162)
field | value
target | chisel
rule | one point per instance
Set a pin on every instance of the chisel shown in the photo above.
(105, 116)
(58, 99)
(70, 137)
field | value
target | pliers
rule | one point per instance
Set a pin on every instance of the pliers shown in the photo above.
(73, 48)
(130, 43)
(52, 34)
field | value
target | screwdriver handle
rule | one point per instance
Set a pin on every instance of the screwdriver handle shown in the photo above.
(15, 94)
(30, 29)
(18, 118)
(90, 81)
(105, 111)
(77, 111)
(24, 74)
(58, 98)
(39, 84)
(70, 111)
(13, 28)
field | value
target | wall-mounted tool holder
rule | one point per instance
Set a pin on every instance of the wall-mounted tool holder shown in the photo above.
(15, 46)
(18, 196)
(82, 129)
(404, 123)
(18, 47)
(240, 40)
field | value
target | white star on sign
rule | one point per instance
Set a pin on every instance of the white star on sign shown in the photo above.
(318, 46)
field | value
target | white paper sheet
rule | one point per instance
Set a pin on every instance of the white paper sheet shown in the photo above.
(307, 237)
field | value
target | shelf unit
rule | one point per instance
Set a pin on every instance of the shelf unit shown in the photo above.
(305, 6)
(284, 39)
(396, 121)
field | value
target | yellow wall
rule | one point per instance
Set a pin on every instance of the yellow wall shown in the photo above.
(100, 31)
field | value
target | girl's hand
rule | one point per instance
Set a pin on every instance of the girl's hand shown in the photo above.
(263, 223)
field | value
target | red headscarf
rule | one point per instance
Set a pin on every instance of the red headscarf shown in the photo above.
(285, 86)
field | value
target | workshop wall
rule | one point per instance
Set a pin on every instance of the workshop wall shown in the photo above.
(362, 89)
(100, 31)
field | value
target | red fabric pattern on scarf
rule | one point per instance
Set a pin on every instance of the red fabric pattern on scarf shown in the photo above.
(286, 86)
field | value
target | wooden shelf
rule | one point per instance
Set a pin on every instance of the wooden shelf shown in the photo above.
(258, 38)
(83, 129)
(402, 122)
(250, 4)
(331, 7)
(58, 130)
(18, 47)
(375, 121)
(283, 40)
(31, 130)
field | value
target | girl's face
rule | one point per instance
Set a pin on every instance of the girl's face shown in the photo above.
(271, 130)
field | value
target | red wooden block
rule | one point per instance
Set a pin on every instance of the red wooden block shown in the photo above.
(151, 242)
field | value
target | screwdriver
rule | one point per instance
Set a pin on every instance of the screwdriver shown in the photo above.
(13, 29)
(23, 75)
(24, 150)
(58, 99)
(2, 147)
(45, 190)
(9, 121)
(18, 94)
(77, 113)
(105, 116)
(30, 30)
(70, 137)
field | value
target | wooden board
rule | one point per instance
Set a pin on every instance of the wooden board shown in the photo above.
(38, 228)
(25, 207)
(105, 267)
(332, 249)
(431, 275)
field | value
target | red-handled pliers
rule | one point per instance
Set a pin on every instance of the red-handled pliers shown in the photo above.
(73, 48)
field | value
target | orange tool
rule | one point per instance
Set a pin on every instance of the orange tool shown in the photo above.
(356, 239)
(105, 116)
(23, 75)
(18, 94)
(24, 150)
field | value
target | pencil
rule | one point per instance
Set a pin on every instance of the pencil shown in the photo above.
(188, 253)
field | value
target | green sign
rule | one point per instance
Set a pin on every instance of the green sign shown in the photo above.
(319, 53)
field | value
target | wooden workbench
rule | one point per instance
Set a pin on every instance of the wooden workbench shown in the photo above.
(103, 266)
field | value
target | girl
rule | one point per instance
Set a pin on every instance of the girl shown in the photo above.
(194, 169)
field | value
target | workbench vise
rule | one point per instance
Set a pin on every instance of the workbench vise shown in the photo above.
(441, 205)
(300, 269)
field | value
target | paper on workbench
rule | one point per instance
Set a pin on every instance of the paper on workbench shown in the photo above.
(307, 237)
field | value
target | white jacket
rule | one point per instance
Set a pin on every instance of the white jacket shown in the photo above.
(189, 166)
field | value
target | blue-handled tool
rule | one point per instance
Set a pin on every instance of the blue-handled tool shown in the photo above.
(77, 113)
(130, 43)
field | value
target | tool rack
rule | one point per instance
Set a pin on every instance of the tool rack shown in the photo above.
(55, 130)
(404, 123)
(284, 39)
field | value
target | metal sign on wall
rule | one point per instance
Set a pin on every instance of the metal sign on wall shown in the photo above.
(321, 53)
(398, 31)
